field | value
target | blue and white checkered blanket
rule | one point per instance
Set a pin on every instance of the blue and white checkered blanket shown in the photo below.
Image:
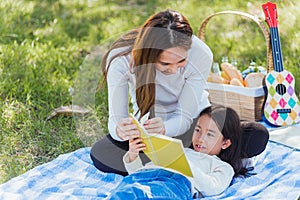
(73, 176)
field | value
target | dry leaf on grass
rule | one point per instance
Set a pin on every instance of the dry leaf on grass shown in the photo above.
(68, 111)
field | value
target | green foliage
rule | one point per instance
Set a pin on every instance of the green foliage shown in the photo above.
(43, 51)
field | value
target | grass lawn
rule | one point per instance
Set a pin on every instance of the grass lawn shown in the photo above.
(43, 64)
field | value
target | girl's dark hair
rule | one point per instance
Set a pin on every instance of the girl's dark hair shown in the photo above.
(160, 31)
(229, 125)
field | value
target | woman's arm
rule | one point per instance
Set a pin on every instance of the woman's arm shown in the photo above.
(117, 84)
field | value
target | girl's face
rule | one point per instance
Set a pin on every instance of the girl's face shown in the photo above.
(207, 138)
(170, 60)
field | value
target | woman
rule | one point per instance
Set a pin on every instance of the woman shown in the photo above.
(163, 68)
(215, 157)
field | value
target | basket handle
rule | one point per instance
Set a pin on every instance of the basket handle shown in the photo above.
(265, 31)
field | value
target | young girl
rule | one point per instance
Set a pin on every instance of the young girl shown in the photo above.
(215, 157)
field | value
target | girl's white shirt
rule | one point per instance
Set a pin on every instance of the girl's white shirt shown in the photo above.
(179, 97)
(211, 175)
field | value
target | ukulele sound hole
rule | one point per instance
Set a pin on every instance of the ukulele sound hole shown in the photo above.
(280, 89)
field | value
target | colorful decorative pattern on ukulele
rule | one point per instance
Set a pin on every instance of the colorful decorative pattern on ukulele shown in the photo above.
(282, 106)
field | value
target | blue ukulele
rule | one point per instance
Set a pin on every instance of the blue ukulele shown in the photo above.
(282, 106)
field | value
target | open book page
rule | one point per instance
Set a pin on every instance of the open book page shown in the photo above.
(164, 151)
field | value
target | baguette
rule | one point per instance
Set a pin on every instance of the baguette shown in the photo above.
(236, 82)
(225, 77)
(215, 78)
(231, 72)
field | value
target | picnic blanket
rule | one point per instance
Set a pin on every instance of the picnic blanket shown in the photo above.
(73, 176)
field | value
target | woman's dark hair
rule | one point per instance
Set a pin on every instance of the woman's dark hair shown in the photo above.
(160, 31)
(229, 125)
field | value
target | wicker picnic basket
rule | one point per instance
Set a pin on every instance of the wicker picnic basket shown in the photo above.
(248, 102)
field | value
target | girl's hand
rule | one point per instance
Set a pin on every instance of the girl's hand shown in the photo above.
(126, 130)
(135, 146)
(155, 125)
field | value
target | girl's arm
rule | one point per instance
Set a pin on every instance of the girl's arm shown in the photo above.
(131, 159)
(214, 182)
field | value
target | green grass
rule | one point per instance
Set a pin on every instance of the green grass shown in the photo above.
(43, 49)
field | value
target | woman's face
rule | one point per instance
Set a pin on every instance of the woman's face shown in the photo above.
(207, 137)
(170, 60)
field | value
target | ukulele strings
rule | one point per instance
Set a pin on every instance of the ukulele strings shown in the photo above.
(277, 59)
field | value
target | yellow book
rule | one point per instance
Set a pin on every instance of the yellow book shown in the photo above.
(164, 151)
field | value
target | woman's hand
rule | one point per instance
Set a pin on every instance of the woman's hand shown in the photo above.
(126, 130)
(135, 146)
(155, 125)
